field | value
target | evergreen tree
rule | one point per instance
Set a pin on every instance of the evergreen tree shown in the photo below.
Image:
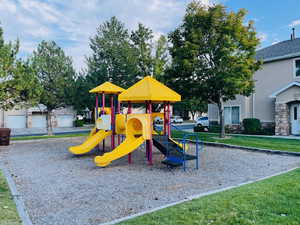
(142, 43)
(113, 59)
(56, 75)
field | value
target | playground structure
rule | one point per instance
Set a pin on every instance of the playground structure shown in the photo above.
(105, 120)
(137, 128)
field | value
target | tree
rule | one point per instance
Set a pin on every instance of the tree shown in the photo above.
(18, 84)
(213, 55)
(161, 58)
(195, 105)
(142, 43)
(113, 59)
(81, 98)
(55, 74)
(191, 105)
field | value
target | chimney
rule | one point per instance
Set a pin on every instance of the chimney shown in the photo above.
(293, 36)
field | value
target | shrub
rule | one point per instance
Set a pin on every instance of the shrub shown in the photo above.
(213, 123)
(214, 128)
(199, 128)
(269, 130)
(252, 126)
(78, 123)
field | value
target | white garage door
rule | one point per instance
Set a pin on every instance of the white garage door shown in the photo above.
(39, 121)
(16, 121)
(64, 120)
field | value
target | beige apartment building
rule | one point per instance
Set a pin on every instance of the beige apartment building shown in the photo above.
(276, 100)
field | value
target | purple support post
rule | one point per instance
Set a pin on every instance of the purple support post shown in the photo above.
(129, 112)
(112, 144)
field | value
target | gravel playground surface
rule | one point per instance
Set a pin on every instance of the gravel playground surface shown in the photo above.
(61, 189)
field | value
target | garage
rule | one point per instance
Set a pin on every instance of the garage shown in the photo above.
(39, 120)
(64, 120)
(16, 121)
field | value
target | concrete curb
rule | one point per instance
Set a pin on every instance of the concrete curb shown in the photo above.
(55, 133)
(194, 197)
(252, 149)
(43, 140)
(17, 197)
(277, 152)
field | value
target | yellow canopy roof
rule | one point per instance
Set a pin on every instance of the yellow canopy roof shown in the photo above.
(149, 89)
(107, 88)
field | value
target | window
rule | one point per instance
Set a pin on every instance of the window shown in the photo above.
(232, 115)
(297, 68)
(295, 113)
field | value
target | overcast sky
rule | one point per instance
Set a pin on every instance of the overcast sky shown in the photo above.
(71, 22)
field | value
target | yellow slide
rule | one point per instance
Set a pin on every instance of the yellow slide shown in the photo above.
(129, 145)
(90, 143)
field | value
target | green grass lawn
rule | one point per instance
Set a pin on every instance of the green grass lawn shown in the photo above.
(8, 212)
(275, 201)
(283, 144)
(47, 137)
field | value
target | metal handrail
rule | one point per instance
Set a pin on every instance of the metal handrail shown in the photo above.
(184, 141)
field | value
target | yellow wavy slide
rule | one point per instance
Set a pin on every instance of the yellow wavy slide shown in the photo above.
(90, 143)
(129, 145)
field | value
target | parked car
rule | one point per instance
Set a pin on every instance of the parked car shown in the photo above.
(79, 117)
(201, 125)
(203, 121)
(176, 119)
(158, 120)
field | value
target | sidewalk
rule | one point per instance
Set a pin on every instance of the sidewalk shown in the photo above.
(248, 135)
(69, 130)
(43, 131)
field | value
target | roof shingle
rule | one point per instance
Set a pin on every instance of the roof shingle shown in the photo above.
(280, 50)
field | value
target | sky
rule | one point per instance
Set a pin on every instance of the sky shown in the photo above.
(70, 23)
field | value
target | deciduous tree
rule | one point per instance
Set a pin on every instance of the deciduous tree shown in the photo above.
(213, 54)
(18, 83)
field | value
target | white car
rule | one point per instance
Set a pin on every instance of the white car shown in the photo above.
(203, 121)
(176, 119)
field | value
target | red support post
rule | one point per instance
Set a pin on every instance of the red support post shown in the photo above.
(102, 113)
(147, 141)
(97, 106)
(112, 144)
(119, 112)
(103, 103)
(129, 112)
(96, 116)
(150, 141)
(165, 120)
(169, 120)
